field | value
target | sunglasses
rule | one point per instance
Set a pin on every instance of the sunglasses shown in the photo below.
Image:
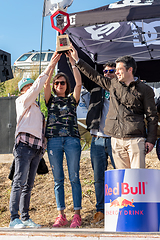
(62, 83)
(110, 71)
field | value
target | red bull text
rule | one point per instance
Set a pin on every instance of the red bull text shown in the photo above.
(125, 189)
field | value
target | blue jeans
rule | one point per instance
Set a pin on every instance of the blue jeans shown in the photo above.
(56, 147)
(100, 149)
(26, 164)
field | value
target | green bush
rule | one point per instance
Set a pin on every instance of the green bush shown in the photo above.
(43, 105)
(9, 87)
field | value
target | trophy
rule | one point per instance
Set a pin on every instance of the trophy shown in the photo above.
(63, 42)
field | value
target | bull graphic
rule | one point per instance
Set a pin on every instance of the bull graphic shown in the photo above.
(121, 202)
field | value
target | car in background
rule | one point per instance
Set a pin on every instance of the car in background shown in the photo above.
(28, 62)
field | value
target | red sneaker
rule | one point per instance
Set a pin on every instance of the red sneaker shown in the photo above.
(60, 221)
(76, 221)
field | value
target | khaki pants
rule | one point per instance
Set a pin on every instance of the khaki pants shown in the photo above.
(128, 152)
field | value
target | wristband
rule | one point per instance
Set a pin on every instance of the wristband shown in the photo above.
(77, 61)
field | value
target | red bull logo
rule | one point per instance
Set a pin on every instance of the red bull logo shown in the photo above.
(132, 201)
(121, 202)
(125, 188)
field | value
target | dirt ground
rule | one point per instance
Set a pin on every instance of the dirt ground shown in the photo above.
(43, 208)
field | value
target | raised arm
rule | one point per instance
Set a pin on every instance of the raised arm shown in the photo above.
(77, 77)
(90, 72)
(49, 71)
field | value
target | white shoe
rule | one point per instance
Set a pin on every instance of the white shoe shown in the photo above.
(16, 223)
(29, 223)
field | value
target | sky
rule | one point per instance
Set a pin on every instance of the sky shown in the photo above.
(21, 23)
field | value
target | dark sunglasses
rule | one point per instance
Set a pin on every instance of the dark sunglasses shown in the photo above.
(110, 71)
(57, 83)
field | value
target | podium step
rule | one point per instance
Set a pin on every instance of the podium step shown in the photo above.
(71, 234)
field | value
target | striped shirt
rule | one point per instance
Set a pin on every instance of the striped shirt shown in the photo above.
(33, 141)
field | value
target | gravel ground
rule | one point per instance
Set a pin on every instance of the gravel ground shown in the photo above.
(43, 208)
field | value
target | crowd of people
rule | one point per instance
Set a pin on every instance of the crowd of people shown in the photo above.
(121, 108)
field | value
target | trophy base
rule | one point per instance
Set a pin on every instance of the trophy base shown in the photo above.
(63, 43)
(64, 51)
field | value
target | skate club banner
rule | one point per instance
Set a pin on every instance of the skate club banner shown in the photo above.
(132, 200)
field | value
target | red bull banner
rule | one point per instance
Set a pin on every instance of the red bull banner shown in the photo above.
(132, 200)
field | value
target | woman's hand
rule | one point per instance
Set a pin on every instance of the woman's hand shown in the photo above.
(71, 59)
(73, 53)
(55, 58)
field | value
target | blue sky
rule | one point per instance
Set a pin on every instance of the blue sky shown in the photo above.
(20, 24)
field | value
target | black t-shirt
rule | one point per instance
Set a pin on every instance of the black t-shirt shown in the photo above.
(62, 118)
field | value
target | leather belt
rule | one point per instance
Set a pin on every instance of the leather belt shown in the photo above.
(98, 136)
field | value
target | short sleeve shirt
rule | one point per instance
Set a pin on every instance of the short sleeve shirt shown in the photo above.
(62, 117)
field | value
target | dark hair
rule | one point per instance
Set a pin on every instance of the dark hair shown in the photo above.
(128, 62)
(109, 64)
(61, 74)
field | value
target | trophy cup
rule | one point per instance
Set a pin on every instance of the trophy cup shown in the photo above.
(63, 42)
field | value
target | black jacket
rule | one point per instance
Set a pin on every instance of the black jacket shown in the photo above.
(95, 105)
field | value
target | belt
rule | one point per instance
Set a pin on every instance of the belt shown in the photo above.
(98, 136)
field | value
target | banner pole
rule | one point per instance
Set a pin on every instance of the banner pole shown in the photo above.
(44, 3)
